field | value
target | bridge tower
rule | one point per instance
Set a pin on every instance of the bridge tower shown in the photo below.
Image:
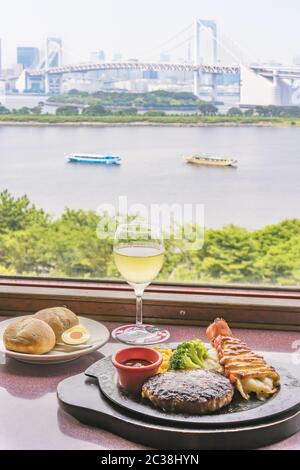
(53, 58)
(211, 27)
(53, 52)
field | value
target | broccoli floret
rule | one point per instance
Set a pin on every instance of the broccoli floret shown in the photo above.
(181, 360)
(189, 355)
(200, 348)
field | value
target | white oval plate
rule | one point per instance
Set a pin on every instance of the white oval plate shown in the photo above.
(99, 336)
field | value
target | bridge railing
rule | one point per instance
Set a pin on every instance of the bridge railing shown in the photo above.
(177, 67)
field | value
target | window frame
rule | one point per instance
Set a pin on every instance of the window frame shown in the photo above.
(168, 287)
(242, 306)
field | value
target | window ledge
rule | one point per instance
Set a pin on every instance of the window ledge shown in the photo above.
(162, 304)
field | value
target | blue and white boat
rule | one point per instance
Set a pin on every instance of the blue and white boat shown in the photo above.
(94, 158)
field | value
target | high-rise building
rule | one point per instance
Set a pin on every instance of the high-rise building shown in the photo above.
(150, 74)
(98, 56)
(28, 57)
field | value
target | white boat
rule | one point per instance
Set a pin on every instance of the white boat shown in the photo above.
(208, 160)
(107, 159)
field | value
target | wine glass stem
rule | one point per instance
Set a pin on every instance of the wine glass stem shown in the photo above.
(139, 310)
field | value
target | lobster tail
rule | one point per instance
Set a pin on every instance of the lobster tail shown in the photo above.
(218, 328)
(248, 371)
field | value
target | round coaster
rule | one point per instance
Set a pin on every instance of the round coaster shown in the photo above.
(140, 334)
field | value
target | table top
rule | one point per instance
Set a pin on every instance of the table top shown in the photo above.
(31, 417)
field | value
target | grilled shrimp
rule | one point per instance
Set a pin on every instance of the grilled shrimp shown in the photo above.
(248, 371)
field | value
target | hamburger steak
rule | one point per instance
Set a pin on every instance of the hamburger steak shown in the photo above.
(189, 391)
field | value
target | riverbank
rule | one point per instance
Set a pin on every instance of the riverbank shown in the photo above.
(134, 120)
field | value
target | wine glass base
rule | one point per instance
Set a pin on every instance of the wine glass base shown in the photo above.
(141, 335)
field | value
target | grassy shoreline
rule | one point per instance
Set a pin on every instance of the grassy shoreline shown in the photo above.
(141, 120)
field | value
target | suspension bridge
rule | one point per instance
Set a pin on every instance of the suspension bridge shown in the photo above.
(213, 55)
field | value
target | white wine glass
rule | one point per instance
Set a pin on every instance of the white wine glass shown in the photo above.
(139, 254)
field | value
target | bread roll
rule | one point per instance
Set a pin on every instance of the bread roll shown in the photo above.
(59, 318)
(29, 335)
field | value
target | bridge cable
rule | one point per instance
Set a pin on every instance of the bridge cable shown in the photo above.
(162, 45)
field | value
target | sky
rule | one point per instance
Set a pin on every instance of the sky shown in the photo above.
(264, 29)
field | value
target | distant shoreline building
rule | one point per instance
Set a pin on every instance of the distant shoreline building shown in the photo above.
(28, 57)
(98, 56)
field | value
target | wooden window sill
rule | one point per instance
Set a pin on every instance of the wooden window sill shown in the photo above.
(181, 305)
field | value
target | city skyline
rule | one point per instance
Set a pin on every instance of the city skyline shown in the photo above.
(134, 37)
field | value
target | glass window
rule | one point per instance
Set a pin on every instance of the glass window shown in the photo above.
(191, 132)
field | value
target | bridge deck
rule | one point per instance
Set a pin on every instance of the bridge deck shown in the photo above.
(87, 67)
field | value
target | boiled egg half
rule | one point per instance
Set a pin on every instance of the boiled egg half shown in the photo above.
(76, 335)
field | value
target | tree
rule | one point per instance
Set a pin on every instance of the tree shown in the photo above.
(208, 109)
(229, 255)
(32, 243)
(4, 110)
(234, 111)
(278, 111)
(156, 99)
(67, 110)
(95, 110)
(18, 213)
(75, 92)
(154, 113)
(36, 110)
(28, 251)
(24, 110)
(127, 111)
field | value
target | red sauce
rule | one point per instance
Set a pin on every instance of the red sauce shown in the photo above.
(136, 363)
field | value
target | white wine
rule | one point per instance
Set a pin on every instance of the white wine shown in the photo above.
(139, 264)
(139, 255)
